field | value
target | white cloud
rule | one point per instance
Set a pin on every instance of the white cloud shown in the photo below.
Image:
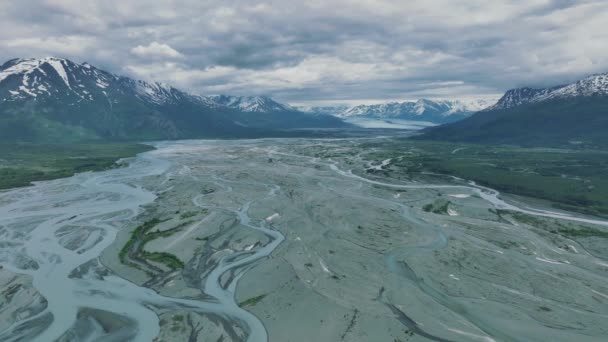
(321, 50)
(62, 45)
(156, 50)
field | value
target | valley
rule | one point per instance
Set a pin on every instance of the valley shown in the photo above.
(297, 171)
(349, 239)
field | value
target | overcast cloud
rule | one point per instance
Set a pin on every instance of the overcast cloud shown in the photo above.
(320, 51)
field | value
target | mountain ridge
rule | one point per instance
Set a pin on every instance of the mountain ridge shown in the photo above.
(596, 84)
(55, 98)
(575, 113)
(251, 104)
(426, 110)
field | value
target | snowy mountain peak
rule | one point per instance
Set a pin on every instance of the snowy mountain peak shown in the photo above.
(30, 77)
(594, 85)
(51, 77)
(20, 66)
(156, 92)
(258, 104)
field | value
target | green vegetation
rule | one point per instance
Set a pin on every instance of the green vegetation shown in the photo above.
(187, 214)
(137, 235)
(555, 228)
(579, 121)
(584, 232)
(167, 259)
(506, 244)
(573, 180)
(524, 218)
(437, 208)
(252, 301)
(142, 235)
(22, 164)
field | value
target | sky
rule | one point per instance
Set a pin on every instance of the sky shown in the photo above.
(320, 52)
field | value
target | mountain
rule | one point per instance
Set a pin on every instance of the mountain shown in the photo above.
(572, 113)
(252, 104)
(50, 99)
(264, 112)
(439, 111)
(392, 114)
(595, 85)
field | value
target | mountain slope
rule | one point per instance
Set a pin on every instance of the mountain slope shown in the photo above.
(595, 85)
(573, 113)
(51, 99)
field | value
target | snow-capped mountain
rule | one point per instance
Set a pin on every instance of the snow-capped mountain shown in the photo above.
(251, 104)
(52, 77)
(436, 111)
(595, 85)
(563, 115)
(80, 101)
(431, 111)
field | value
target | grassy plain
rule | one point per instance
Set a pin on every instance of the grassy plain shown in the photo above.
(574, 180)
(21, 164)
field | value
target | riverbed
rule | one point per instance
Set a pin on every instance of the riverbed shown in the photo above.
(290, 240)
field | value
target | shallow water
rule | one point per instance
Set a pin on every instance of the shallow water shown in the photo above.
(99, 204)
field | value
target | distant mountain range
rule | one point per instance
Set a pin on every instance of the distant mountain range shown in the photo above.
(252, 104)
(574, 113)
(54, 99)
(324, 110)
(423, 110)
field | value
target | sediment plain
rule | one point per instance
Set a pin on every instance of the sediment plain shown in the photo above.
(292, 240)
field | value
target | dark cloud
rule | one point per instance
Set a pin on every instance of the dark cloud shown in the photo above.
(302, 51)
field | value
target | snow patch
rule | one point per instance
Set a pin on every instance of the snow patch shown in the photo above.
(58, 66)
(27, 91)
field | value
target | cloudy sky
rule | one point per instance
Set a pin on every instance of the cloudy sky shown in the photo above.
(320, 51)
